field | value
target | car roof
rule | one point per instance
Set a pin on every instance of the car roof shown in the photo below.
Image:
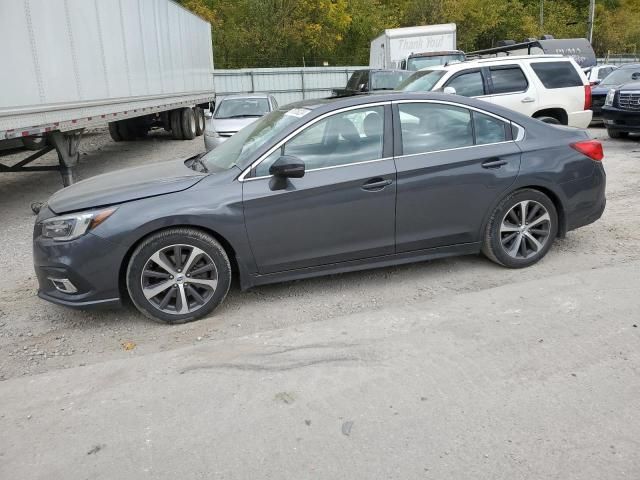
(479, 62)
(322, 105)
(244, 95)
(629, 65)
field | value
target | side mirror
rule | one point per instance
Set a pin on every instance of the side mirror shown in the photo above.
(287, 166)
(449, 90)
(635, 76)
(596, 81)
(208, 114)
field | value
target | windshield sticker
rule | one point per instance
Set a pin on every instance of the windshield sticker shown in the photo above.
(297, 112)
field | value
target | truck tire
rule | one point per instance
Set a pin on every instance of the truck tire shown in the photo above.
(139, 126)
(114, 132)
(188, 124)
(176, 124)
(199, 113)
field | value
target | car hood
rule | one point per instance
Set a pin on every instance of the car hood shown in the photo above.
(604, 89)
(125, 185)
(230, 124)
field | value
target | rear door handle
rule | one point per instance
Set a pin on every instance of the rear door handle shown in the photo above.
(376, 184)
(494, 163)
(528, 100)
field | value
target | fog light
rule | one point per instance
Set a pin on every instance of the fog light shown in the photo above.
(64, 285)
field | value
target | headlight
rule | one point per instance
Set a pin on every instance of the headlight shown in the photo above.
(610, 95)
(68, 227)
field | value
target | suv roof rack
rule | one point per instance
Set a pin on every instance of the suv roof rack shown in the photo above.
(578, 48)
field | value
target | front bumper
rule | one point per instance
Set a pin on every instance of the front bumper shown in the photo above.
(621, 120)
(212, 141)
(89, 265)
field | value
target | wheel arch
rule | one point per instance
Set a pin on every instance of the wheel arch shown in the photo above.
(558, 113)
(549, 192)
(122, 273)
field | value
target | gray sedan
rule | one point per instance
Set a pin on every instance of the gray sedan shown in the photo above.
(233, 113)
(319, 187)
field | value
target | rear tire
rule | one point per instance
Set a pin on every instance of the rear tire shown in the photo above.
(551, 120)
(176, 124)
(189, 124)
(617, 134)
(178, 275)
(200, 122)
(114, 132)
(521, 229)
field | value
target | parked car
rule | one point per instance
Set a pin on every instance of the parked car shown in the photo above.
(596, 74)
(319, 187)
(550, 88)
(234, 112)
(371, 80)
(617, 78)
(621, 111)
(418, 61)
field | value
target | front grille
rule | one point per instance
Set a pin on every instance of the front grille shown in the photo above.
(629, 101)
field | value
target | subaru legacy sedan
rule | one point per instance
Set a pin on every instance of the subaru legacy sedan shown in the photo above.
(319, 187)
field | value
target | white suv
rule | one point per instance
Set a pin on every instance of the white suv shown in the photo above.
(551, 88)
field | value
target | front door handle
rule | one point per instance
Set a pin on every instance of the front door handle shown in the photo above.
(528, 100)
(494, 163)
(376, 184)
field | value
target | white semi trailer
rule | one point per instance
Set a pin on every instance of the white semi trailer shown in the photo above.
(395, 45)
(71, 64)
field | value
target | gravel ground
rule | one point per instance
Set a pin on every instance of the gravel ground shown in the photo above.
(37, 337)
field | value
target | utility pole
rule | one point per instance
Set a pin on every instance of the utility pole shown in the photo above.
(541, 17)
(592, 13)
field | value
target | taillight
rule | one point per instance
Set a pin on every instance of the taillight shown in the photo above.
(590, 148)
(587, 97)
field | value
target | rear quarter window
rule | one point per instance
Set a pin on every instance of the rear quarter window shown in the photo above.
(557, 74)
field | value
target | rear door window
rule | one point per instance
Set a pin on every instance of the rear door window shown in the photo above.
(468, 84)
(559, 74)
(429, 127)
(508, 79)
(488, 129)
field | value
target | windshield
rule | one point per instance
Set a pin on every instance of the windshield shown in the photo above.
(622, 75)
(243, 144)
(422, 81)
(418, 63)
(388, 80)
(242, 107)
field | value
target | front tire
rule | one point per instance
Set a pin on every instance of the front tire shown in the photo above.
(617, 134)
(521, 229)
(178, 275)
(200, 121)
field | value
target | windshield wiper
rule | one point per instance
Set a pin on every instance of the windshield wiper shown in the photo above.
(241, 116)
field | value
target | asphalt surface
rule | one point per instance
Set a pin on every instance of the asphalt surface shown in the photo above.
(455, 368)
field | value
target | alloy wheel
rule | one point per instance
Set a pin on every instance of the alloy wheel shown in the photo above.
(525, 229)
(179, 279)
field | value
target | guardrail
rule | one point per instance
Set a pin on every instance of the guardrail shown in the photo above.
(286, 84)
(619, 59)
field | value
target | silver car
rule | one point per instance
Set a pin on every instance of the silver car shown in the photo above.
(233, 113)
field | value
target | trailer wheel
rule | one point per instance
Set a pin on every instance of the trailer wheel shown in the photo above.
(127, 130)
(199, 113)
(189, 124)
(114, 132)
(176, 124)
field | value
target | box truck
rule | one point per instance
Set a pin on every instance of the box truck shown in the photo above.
(72, 64)
(393, 48)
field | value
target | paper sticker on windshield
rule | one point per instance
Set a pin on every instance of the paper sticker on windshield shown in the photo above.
(297, 112)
